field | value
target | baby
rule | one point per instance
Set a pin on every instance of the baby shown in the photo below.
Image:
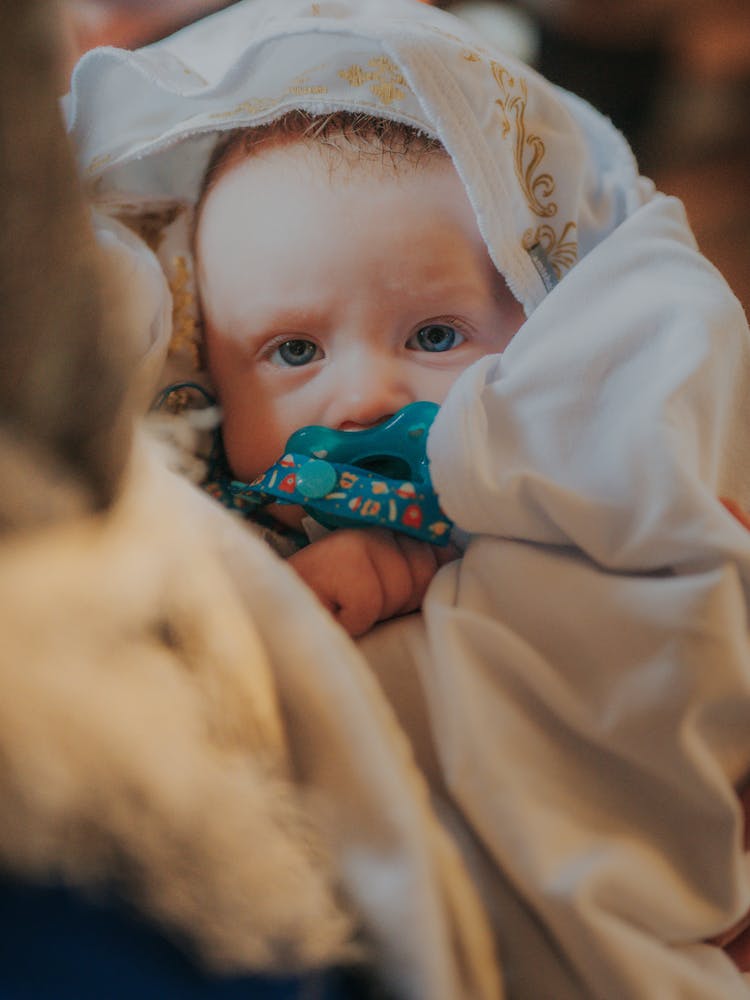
(584, 667)
(342, 276)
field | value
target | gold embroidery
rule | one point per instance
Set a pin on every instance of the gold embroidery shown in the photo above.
(387, 93)
(253, 106)
(194, 75)
(184, 327)
(355, 76)
(384, 78)
(561, 252)
(304, 78)
(99, 161)
(257, 105)
(471, 56)
(315, 10)
(304, 91)
(537, 187)
(384, 65)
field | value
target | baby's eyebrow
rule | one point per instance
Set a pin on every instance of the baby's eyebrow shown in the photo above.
(259, 323)
(439, 281)
(291, 317)
(440, 292)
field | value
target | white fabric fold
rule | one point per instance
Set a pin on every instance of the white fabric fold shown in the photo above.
(421, 914)
(146, 298)
(596, 731)
(593, 739)
(541, 169)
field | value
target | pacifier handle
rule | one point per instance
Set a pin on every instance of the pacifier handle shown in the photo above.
(375, 477)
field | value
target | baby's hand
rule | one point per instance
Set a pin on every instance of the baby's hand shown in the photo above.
(365, 575)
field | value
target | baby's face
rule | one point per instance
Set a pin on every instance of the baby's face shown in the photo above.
(336, 294)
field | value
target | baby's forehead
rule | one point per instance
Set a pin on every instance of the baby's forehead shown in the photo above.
(345, 142)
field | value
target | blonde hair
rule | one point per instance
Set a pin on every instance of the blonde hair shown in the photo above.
(354, 136)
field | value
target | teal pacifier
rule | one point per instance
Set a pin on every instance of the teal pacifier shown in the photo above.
(378, 476)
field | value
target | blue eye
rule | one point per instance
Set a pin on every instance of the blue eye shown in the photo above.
(295, 353)
(435, 338)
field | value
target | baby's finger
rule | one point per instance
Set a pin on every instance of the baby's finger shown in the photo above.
(421, 564)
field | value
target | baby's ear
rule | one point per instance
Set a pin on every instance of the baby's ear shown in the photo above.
(64, 425)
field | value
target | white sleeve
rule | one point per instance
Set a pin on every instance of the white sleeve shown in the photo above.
(588, 666)
(617, 416)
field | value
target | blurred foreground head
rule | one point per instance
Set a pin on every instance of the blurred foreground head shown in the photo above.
(62, 381)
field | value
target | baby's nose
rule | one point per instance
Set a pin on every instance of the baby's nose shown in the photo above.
(372, 393)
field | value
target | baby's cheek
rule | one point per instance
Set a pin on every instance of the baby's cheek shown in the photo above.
(513, 320)
(245, 453)
(234, 446)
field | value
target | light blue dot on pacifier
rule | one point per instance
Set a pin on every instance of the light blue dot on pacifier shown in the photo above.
(316, 479)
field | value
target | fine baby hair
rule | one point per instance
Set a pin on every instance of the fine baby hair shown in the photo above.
(356, 138)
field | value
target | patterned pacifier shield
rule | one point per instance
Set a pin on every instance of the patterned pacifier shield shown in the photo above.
(379, 476)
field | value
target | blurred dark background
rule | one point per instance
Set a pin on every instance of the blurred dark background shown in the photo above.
(673, 75)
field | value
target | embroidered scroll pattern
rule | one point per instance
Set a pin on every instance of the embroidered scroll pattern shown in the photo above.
(537, 185)
(186, 332)
(386, 81)
(561, 251)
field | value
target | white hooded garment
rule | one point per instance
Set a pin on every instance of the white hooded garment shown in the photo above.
(585, 666)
